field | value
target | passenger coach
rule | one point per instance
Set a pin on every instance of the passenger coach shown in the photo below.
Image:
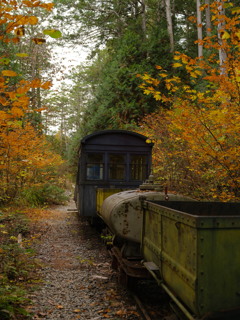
(110, 160)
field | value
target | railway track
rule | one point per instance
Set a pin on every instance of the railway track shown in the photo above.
(152, 302)
(141, 308)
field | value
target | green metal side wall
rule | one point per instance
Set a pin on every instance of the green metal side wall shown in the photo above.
(198, 257)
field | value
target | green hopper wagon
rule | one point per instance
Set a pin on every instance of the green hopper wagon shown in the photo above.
(193, 251)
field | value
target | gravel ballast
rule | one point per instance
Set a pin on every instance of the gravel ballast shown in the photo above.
(77, 279)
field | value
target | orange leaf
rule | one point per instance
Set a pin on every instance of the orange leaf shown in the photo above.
(9, 73)
(47, 6)
(20, 31)
(121, 312)
(46, 85)
(17, 112)
(32, 20)
(36, 83)
(38, 40)
(3, 101)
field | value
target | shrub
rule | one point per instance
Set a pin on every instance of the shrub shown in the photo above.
(42, 195)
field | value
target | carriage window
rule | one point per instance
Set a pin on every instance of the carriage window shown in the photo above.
(116, 167)
(94, 166)
(138, 167)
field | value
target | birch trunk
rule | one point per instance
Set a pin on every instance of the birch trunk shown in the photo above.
(221, 27)
(169, 24)
(208, 18)
(144, 28)
(199, 28)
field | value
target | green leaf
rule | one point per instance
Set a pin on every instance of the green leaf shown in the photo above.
(53, 33)
(4, 61)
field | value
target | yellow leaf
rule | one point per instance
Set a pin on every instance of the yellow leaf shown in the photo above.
(238, 34)
(189, 68)
(32, 20)
(9, 73)
(156, 82)
(176, 57)
(146, 76)
(150, 88)
(22, 55)
(193, 74)
(163, 75)
(177, 64)
(147, 92)
(184, 59)
(236, 10)
(225, 35)
(198, 72)
(157, 97)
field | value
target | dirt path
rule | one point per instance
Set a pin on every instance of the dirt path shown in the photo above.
(78, 282)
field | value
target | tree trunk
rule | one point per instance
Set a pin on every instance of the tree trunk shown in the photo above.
(169, 24)
(144, 29)
(221, 28)
(208, 18)
(199, 28)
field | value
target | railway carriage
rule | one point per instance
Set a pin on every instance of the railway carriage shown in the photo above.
(110, 161)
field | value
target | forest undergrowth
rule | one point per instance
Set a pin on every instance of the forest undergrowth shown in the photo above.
(18, 265)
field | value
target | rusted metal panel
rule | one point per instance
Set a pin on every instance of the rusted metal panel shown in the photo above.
(197, 253)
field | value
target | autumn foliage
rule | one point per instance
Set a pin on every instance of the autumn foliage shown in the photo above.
(196, 138)
(25, 157)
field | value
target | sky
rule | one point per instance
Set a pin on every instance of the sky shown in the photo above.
(66, 59)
